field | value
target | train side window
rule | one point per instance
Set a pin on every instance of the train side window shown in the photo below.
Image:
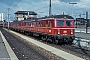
(68, 23)
(31, 24)
(60, 23)
(50, 23)
(38, 24)
(46, 23)
(43, 24)
(26, 24)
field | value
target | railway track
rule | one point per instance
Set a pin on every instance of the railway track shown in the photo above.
(23, 50)
(78, 51)
(72, 49)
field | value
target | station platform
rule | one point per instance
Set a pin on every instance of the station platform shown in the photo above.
(83, 35)
(81, 32)
(6, 53)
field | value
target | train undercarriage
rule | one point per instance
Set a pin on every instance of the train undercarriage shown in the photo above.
(58, 39)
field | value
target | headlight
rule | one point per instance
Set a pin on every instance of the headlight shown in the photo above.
(58, 31)
(50, 31)
(71, 31)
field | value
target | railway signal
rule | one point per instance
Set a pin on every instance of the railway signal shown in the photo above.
(8, 17)
(86, 20)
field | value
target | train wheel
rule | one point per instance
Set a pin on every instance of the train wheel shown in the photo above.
(56, 42)
(71, 42)
(44, 38)
(53, 41)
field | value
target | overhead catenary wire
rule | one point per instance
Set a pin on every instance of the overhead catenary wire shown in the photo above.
(11, 3)
(40, 8)
(32, 6)
(49, 5)
(16, 4)
(35, 5)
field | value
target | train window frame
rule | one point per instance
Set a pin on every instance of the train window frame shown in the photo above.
(70, 23)
(59, 23)
(50, 23)
(29, 23)
(38, 24)
(46, 23)
(26, 24)
(41, 24)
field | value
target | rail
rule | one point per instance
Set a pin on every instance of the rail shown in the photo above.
(26, 45)
(82, 42)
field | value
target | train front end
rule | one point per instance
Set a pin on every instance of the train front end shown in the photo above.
(64, 30)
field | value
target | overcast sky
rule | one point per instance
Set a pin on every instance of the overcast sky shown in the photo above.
(58, 7)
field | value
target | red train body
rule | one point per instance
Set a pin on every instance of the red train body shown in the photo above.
(57, 29)
(1, 23)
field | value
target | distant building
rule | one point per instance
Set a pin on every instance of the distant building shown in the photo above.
(88, 23)
(1, 16)
(24, 15)
(1, 23)
(81, 22)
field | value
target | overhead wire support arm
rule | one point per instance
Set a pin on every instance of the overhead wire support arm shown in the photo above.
(86, 21)
(16, 4)
(72, 3)
(8, 17)
(50, 9)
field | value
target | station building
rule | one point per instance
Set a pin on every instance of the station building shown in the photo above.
(1, 16)
(25, 15)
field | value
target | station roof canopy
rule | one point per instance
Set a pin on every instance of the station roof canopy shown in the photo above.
(26, 12)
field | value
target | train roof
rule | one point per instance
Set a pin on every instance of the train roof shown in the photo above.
(59, 16)
(51, 17)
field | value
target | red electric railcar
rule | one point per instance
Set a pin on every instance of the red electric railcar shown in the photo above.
(57, 29)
